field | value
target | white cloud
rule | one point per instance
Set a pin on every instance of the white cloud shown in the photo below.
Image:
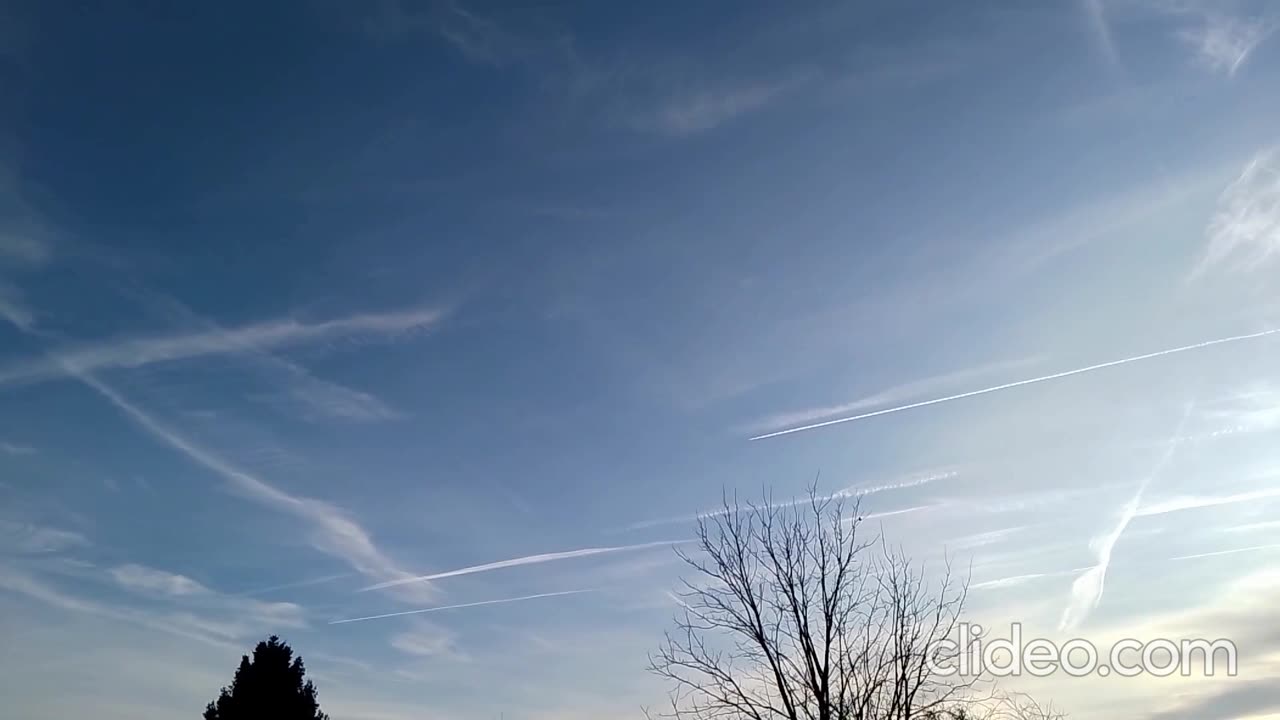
(1245, 229)
(138, 578)
(247, 339)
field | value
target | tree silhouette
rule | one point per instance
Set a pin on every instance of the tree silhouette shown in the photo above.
(796, 615)
(271, 685)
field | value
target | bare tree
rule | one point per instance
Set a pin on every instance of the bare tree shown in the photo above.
(796, 614)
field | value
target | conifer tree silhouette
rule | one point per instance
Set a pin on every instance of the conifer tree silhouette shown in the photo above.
(271, 685)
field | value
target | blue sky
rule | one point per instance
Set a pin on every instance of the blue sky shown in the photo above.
(305, 298)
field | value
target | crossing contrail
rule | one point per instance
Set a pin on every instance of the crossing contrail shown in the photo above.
(1019, 383)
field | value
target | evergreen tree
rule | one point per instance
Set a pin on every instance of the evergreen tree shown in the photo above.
(271, 686)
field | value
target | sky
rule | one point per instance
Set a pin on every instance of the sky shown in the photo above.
(418, 333)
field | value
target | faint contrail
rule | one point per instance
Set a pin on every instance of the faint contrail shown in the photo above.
(1253, 548)
(296, 584)
(849, 492)
(463, 605)
(1019, 383)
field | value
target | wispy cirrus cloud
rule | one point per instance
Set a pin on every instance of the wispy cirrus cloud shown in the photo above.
(526, 560)
(426, 639)
(14, 310)
(681, 112)
(219, 614)
(12, 448)
(1223, 42)
(1245, 229)
(648, 94)
(333, 532)
(1102, 31)
(24, 249)
(313, 399)
(300, 392)
(140, 352)
(26, 243)
(215, 623)
(149, 580)
(1087, 589)
(478, 39)
(32, 539)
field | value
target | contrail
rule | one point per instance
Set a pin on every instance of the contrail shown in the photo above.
(527, 560)
(463, 605)
(1020, 383)
(296, 584)
(849, 492)
(1253, 548)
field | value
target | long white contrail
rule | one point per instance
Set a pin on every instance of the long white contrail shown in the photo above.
(527, 560)
(1020, 383)
(478, 603)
